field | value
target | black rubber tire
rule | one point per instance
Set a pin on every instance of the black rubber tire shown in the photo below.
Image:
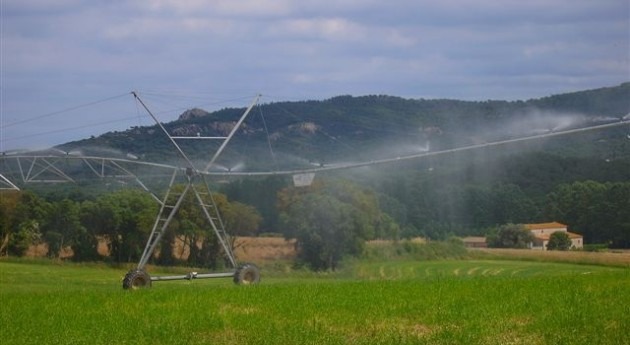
(247, 274)
(136, 279)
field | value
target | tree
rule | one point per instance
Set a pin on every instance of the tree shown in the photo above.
(8, 205)
(559, 240)
(240, 219)
(325, 230)
(511, 205)
(191, 223)
(21, 217)
(27, 235)
(613, 220)
(62, 226)
(598, 211)
(576, 204)
(331, 219)
(509, 236)
(259, 193)
(124, 218)
(94, 220)
(84, 245)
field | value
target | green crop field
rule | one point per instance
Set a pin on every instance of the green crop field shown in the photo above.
(395, 302)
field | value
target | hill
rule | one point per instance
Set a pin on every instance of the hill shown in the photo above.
(290, 134)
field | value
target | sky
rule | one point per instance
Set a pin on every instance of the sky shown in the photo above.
(68, 66)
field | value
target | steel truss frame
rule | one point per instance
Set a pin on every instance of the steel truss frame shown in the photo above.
(196, 185)
(48, 168)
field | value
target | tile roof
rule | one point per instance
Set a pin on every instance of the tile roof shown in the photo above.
(545, 237)
(540, 226)
(474, 239)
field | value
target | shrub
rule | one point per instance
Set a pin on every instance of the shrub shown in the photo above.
(509, 236)
(559, 240)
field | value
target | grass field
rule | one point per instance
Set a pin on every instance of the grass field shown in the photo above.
(394, 302)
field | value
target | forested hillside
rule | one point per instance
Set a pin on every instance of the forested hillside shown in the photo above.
(369, 127)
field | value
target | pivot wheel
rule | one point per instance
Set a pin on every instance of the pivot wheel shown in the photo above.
(136, 279)
(247, 274)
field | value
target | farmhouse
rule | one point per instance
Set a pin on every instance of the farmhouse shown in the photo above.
(542, 231)
(475, 242)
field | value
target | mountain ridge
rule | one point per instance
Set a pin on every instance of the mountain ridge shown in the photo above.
(365, 126)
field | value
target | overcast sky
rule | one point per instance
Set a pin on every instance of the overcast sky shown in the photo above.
(58, 55)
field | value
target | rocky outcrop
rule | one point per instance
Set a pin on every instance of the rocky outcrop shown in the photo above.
(304, 128)
(188, 130)
(193, 113)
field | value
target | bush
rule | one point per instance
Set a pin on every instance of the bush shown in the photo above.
(559, 240)
(509, 236)
(599, 247)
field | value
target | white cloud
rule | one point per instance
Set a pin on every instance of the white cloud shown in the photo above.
(250, 8)
(41, 5)
(156, 28)
(331, 29)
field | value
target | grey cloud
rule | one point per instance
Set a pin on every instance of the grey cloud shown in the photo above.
(56, 54)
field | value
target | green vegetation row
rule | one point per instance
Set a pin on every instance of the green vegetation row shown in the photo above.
(330, 219)
(371, 302)
(122, 219)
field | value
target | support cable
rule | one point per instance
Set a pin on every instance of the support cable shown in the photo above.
(190, 164)
(67, 129)
(273, 155)
(62, 111)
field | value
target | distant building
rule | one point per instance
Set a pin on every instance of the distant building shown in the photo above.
(475, 242)
(542, 231)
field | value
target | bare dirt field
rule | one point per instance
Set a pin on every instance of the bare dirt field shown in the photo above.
(610, 258)
(247, 249)
(262, 249)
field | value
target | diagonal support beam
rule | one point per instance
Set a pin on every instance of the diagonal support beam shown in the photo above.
(229, 137)
(6, 184)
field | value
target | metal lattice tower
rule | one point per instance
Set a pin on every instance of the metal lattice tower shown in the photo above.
(196, 185)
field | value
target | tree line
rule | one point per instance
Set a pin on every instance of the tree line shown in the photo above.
(329, 220)
(122, 219)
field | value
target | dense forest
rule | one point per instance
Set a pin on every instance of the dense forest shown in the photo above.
(581, 180)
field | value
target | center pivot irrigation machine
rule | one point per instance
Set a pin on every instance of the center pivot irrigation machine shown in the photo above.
(195, 184)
